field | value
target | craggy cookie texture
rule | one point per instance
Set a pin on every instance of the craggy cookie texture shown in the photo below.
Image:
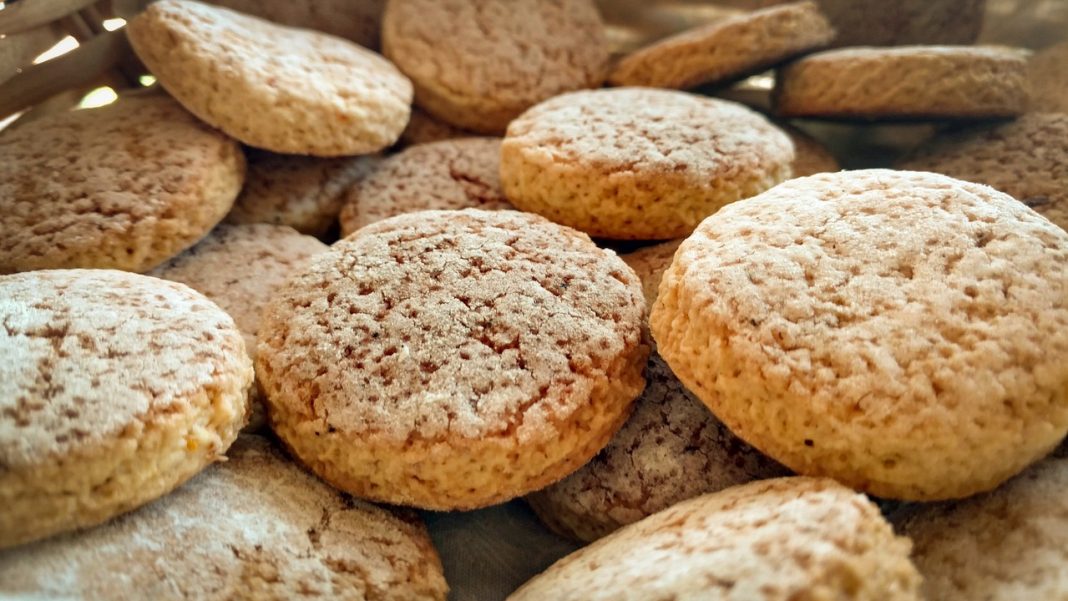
(905, 333)
(775, 540)
(274, 87)
(451, 174)
(1049, 79)
(356, 20)
(126, 186)
(253, 527)
(453, 359)
(477, 64)
(639, 163)
(114, 389)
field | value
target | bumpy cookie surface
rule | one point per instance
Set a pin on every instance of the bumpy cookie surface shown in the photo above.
(453, 359)
(726, 49)
(639, 163)
(905, 82)
(356, 20)
(1049, 79)
(904, 333)
(477, 64)
(273, 87)
(126, 186)
(451, 174)
(253, 527)
(775, 540)
(114, 389)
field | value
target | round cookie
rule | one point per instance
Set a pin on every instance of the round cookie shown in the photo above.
(115, 388)
(774, 540)
(356, 20)
(453, 359)
(1049, 79)
(126, 186)
(282, 89)
(638, 163)
(423, 128)
(1026, 158)
(904, 333)
(477, 64)
(1006, 545)
(451, 174)
(253, 527)
(726, 49)
(304, 193)
(906, 82)
(810, 156)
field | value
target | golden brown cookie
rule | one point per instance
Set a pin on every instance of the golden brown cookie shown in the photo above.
(639, 163)
(423, 128)
(356, 20)
(126, 186)
(453, 359)
(1048, 74)
(477, 64)
(115, 388)
(904, 333)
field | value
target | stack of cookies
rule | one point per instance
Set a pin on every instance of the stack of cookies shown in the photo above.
(262, 319)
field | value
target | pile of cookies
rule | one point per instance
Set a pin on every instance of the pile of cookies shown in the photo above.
(255, 316)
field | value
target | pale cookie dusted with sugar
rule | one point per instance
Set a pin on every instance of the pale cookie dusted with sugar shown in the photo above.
(1048, 75)
(774, 540)
(914, 82)
(253, 527)
(356, 20)
(477, 64)
(115, 388)
(451, 174)
(282, 89)
(453, 359)
(726, 49)
(639, 163)
(904, 333)
(126, 186)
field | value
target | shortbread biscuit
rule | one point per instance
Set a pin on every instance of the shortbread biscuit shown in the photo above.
(726, 49)
(1007, 545)
(278, 88)
(115, 388)
(905, 82)
(1026, 158)
(1048, 75)
(478, 64)
(810, 156)
(452, 174)
(453, 359)
(638, 163)
(126, 186)
(356, 20)
(423, 128)
(775, 540)
(253, 527)
(904, 333)
(305, 193)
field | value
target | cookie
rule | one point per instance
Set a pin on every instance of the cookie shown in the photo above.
(477, 64)
(304, 193)
(775, 540)
(904, 333)
(451, 174)
(453, 359)
(810, 156)
(1003, 546)
(1049, 79)
(638, 163)
(1026, 158)
(282, 89)
(126, 186)
(115, 388)
(914, 82)
(726, 49)
(356, 20)
(253, 527)
(423, 128)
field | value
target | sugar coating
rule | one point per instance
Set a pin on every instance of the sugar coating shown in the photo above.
(423, 128)
(727, 48)
(253, 527)
(775, 540)
(114, 389)
(278, 88)
(1049, 79)
(639, 163)
(810, 156)
(356, 20)
(453, 359)
(904, 333)
(305, 193)
(125, 186)
(479, 64)
(906, 81)
(462, 173)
